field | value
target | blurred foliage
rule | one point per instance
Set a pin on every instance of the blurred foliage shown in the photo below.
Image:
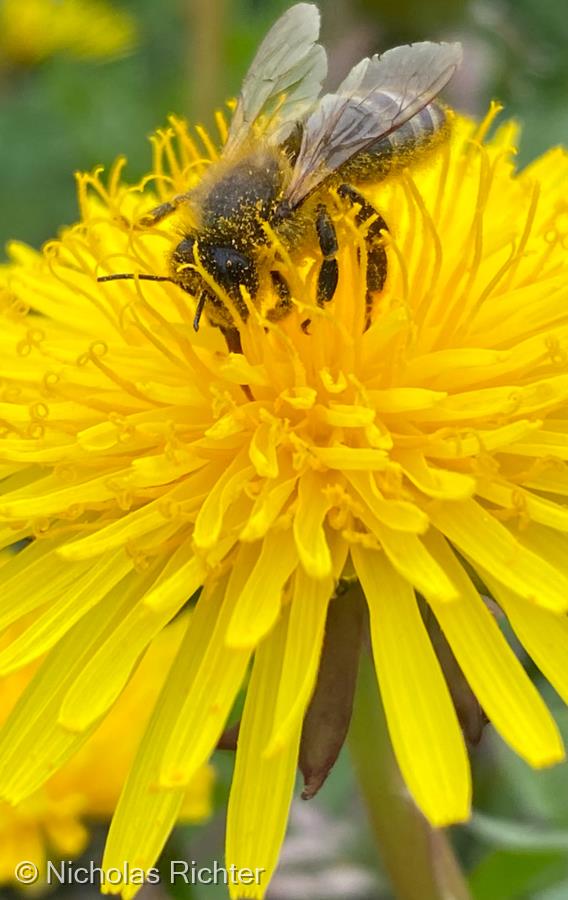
(516, 848)
(86, 29)
(59, 114)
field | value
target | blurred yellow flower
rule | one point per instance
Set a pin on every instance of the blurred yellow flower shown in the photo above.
(422, 455)
(53, 821)
(33, 30)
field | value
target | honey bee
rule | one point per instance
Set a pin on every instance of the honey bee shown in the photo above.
(287, 146)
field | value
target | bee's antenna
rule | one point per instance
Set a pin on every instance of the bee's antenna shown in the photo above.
(199, 310)
(122, 276)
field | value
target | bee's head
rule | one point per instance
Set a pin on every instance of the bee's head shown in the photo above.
(228, 267)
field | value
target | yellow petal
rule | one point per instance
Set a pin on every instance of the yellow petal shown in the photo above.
(412, 560)
(78, 599)
(354, 458)
(487, 542)
(33, 577)
(228, 487)
(494, 673)
(161, 469)
(543, 634)
(132, 525)
(525, 503)
(262, 787)
(424, 728)
(262, 450)
(466, 364)
(258, 605)
(180, 577)
(301, 657)
(145, 814)
(341, 415)
(507, 400)
(397, 514)
(267, 508)
(212, 682)
(309, 532)
(432, 481)
(397, 400)
(543, 443)
(32, 743)
(108, 670)
(56, 497)
(451, 443)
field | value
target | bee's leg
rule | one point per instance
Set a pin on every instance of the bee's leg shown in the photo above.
(376, 253)
(232, 339)
(329, 272)
(164, 209)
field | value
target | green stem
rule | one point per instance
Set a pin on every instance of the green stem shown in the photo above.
(418, 858)
(206, 24)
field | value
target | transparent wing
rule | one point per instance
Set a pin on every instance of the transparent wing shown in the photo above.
(284, 79)
(378, 96)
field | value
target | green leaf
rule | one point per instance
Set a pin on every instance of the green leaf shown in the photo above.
(511, 835)
(504, 875)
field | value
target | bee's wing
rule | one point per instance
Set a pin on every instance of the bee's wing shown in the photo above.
(284, 78)
(377, 97)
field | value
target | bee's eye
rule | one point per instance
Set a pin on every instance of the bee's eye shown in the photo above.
(229, 267)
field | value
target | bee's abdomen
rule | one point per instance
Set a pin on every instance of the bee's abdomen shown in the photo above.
(400, 148)
(420, 128)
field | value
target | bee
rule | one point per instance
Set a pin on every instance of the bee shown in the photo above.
(287, 146)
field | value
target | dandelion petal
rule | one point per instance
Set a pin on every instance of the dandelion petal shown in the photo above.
(506, 693)
(422, 722)
(302, 654)
(262, 786)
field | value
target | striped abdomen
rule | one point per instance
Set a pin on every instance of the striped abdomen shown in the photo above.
(400, 148)
(425, 125)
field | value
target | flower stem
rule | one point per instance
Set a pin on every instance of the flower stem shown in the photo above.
(418, 858)
(206, 26)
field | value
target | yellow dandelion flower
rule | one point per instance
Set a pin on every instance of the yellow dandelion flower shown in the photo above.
(87, 29)
(424, 456)
(53, 821)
